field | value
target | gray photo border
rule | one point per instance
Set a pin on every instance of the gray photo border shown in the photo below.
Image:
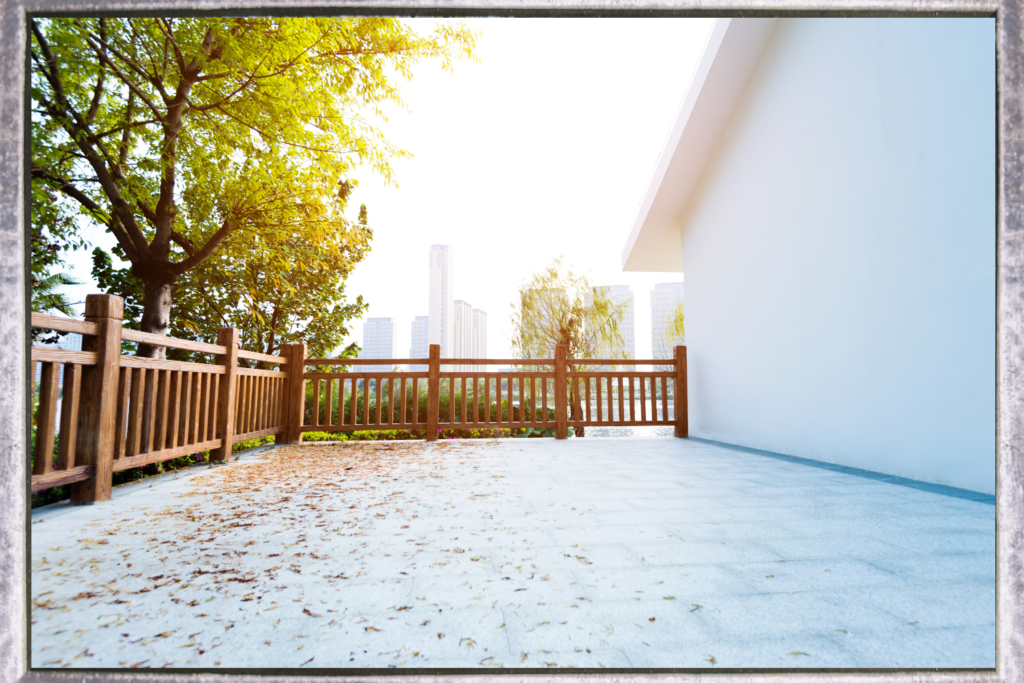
(14, 344)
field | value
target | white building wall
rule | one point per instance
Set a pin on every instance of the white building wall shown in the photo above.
(418, 346)
(378, 342)
(441, 287)
(839, 252)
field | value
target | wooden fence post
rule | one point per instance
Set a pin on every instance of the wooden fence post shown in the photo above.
(561, 428)
(434, 391)
(295, 392)
(97, 424)
(228, 338)
(681, 408)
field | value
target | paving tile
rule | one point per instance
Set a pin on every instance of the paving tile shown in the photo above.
(660, 526)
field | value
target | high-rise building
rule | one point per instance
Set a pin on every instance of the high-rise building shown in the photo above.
(664, 299)
(418, 346)
(71, 341)
(378, 342)
(621, 294)
(441, 328)
(479, 342)
(462, 332)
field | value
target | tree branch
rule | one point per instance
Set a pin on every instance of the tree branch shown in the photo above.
(123, 78)
(91, 206)
(195, 259)
(183, 242)
(98, 92)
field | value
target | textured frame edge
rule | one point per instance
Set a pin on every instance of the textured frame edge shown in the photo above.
(1009, 425)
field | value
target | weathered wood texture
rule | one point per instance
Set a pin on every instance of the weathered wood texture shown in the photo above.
(561, 428)
(433, 391)
(94, 444)
(682, 417)
(227, 338)
(295, 392)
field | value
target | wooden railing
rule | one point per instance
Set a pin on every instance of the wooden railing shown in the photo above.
(555, 399)
(119, 411)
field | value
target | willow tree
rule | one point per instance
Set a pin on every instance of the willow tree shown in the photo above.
(559, 307)
(185, 137)
(671, 334)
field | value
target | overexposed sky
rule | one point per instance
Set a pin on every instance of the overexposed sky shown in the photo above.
(543, 148)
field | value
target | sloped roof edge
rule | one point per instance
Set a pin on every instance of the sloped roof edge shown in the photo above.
(730, 54)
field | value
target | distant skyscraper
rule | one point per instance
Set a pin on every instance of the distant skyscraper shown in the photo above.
(462, 332)
(441, 328)
(71, 341)
(664, 299)
(378, 342)
(418, 347)
(479, 343)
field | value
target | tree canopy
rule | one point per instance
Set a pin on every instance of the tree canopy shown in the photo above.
(672, 334)
(557, 306)
(189, 137)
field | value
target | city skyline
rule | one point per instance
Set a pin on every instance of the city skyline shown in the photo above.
(469, 339)
(458, 323)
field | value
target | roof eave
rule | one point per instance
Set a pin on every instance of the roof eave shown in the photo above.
(729, 56)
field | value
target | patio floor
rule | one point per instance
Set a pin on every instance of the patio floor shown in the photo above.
(591, 553)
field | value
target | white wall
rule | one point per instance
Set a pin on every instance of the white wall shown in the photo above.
(839, 252)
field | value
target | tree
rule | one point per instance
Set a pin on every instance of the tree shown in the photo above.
(46, 299)
(194, 136)
(672, 334)
(303, 301)
(557, 306)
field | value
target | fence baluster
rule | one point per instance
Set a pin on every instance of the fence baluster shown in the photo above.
(46, 419)
(176, 379)
(120, 426)
(135, 412)
(162, 381)
(69, 416)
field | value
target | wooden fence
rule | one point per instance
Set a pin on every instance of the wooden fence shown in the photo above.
(119, 411)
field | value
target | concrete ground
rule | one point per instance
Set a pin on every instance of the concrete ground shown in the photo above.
(590, 553)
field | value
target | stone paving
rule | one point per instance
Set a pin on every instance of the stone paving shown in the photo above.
(590, 553)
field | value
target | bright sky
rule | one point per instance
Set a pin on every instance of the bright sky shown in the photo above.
(545, 147)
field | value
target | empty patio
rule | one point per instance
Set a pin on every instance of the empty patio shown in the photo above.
(532, 553)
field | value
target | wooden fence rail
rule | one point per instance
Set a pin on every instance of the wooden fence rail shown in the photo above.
(102, 411)
(555, 399)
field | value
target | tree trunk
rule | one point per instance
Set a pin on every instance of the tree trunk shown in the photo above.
(156, 314)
